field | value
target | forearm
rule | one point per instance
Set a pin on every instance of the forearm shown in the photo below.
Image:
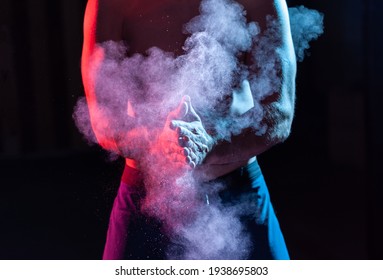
(240, 148)
(229, 155)
(278, 113)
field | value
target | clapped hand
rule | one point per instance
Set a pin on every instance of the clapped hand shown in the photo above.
(192, 136)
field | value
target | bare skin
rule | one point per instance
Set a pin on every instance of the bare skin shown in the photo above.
(146, 23)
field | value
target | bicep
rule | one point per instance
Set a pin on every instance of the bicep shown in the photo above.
(103, 21)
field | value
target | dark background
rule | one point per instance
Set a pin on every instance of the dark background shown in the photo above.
(56, 191)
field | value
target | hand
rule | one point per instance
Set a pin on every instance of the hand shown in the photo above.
(192, 136)
(167, 148)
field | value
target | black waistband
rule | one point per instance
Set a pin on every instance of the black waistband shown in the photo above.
(133, 177)
(252, 170)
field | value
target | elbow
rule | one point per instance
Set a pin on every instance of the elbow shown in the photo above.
(280, 114)
(280, 130)
(102, 129)
(103, 139)
(284, 130)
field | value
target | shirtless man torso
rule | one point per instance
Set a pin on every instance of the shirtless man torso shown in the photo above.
(142, 24)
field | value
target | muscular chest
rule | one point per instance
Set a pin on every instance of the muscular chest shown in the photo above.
(160, 24)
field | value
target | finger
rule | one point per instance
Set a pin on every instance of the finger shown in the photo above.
(179, 112)
(203, 135)
(204, 148)
(193, 147)
(182, 109)
(192, 164)
(186, 152)
(176, 157)
(199, 137)
(194, 142)
(184, 136)
(178, 123)
(191, 114)
(174, 154)
(193, 129)
(193, 158)
(185, 142)
(186, 98)
(193, 153)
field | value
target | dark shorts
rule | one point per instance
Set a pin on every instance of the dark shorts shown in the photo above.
(132, 235)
